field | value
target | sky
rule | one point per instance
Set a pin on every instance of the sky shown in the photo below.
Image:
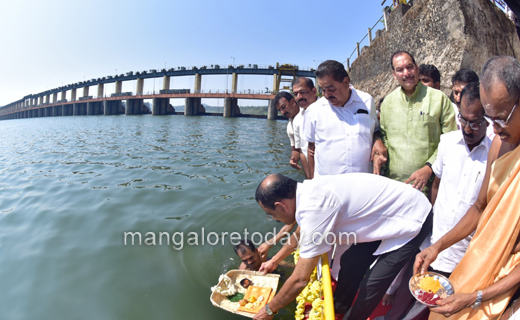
(47, 44)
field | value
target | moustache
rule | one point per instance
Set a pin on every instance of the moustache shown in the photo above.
(302, 99)
(470, 135)
(331, 98)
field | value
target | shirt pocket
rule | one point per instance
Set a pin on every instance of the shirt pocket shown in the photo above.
(426, 127)
(473, 187)
(365, 125)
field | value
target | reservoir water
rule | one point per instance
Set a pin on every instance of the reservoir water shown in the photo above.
(70, 187)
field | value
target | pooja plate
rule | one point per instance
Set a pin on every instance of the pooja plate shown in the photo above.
(430, 287)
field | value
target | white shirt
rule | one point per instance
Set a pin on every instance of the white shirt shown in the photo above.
(299, 139)
(371, 206)
(461, 173)
(489, 132)
(290, 131)
(342, 135)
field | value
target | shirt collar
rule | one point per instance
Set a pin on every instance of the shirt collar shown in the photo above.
(354, 97)
(418, 88)
(485, 143)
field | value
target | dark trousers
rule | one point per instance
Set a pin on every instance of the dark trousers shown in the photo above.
(354, 264)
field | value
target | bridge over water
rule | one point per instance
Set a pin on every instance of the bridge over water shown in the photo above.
(47, 104)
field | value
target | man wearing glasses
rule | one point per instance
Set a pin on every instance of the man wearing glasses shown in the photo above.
(459, 171)
(383, 219)
(489, 273)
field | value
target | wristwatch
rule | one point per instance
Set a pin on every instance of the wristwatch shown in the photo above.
(269, 311)
(478, 302)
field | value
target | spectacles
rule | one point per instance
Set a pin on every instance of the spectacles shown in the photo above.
(499, 122)
(473, 126)
(269, 217)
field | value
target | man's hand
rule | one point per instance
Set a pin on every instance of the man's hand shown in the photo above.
(424, 258)
(379, 155)
(454, 303)
(268, 266)
(420, 177)
(295, 158)
(263, 249)
(262, 315)
(388, 299)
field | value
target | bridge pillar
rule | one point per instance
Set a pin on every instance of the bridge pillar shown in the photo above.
(136, 106)
(85, 91)
(160, 106)
(276, 84)
(48, 112)
(112, 107)
(73, 94)
(63, 95)
(231, 107)
(140, 86)
(47, 98)
(119, 86)
(193, 107)
(100, 90)
(79, 109)
(234, 83)
(41, 112)
(166, 83)
(56, 111)
(272, 113)
(41, 101)
(198, 82)
(94, 108)
(54, 97)
(67, 110)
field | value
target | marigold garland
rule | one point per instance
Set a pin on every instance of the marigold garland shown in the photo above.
(311, 294)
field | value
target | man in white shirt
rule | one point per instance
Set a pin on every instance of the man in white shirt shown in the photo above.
(459, 80)
(305, 95)
(342, 127)
(459, 170)
(383, 219)
(285, 103)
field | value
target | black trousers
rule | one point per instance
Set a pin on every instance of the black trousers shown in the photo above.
(354, 264)
(405, 307)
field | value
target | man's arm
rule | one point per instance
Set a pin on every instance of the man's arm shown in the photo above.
(295, 158)
(435, 189)
(305, 165)
(459, 301)
(310, 158)
(285, 251)
(466, 225)
(420, 177)
(264, 248)
(292, 287)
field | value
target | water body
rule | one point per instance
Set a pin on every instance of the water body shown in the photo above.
(71, 186)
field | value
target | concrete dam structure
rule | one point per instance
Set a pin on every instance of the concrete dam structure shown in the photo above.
(450, 34)
(47, 104)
